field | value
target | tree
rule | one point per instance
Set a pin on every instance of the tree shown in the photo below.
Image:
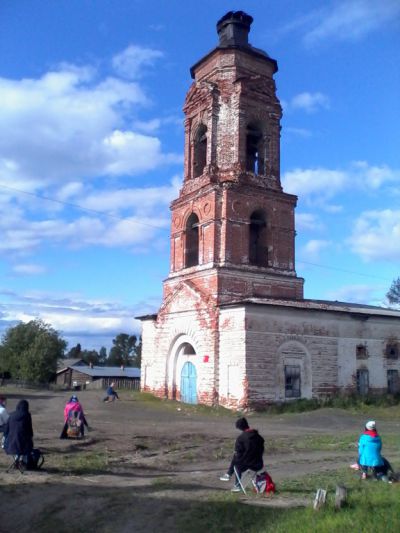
(393, 295)
(90, 357)
(75, 352)
(30, 351)
(124, 351)
(102, 355)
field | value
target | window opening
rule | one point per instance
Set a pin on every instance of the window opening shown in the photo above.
(255, 150)
(362, 381)
(392, 350)
(257, 248)
(361, 352)
(200, 151)
(292, 381)
(393, 381)
(192, 241)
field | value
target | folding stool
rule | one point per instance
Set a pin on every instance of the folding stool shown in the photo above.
(17, 464)
(248, 477)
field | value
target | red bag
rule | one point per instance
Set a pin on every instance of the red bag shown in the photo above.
(263, 483)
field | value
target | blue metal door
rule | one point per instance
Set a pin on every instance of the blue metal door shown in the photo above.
(189, 383)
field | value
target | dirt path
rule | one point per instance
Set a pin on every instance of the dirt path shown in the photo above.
(142, 459)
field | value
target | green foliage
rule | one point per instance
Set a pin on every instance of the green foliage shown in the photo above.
(354, 402)
(30, 351)
(102, 356)
(393, 295)
(126, 351)
(75, 352)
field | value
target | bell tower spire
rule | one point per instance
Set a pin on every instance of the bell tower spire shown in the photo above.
(233, 228)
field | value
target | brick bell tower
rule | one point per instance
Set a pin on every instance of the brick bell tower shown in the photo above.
(233, 231)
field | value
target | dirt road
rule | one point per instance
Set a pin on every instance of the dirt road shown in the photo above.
(144, 460)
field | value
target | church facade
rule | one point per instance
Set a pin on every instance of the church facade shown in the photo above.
(234, 328)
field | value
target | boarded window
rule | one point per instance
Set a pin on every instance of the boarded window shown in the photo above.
(255, 150)
(292, 381)
(392, 350)
(393, 381)
(200, 151)
(257, 239)
(362, 381)
(361, 352)
(192, 241)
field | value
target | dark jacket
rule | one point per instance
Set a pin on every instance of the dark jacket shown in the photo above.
(249, 449)
(18, 431)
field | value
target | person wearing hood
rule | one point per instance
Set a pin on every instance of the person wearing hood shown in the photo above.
(369, 449)
(249, 449)
(18, 432)
(73, 408)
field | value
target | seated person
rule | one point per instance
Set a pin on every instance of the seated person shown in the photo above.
(111, 394)
(18, 432)
(73, 411)
(249, 449)
(369, 449)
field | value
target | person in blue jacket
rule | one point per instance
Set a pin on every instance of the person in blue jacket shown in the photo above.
(369, 449)
(111, 394)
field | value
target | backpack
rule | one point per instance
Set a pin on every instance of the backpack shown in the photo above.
(34, 460)
(74, 424)
(263, 483)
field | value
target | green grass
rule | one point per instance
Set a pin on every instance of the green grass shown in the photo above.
(83, 463)
(372, 507)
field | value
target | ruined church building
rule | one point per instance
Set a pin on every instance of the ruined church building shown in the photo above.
(234, 328)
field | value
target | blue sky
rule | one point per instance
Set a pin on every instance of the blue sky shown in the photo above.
(91, 149)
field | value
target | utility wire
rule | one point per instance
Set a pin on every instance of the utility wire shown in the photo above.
(110, 215)
(77, 206)
(342, 270)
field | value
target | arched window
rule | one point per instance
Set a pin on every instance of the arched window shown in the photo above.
(200, 151)
(257, 239)
(255, 150)
(192, 241)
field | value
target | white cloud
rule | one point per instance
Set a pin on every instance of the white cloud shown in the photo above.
(307, 221)
(313, 248)
(68, 125)
(317, 185)
(363, 294)
(131, 62)
(91, 322)
(299, 132)
(309, 102)
(141, 199)
(29, 269)
(320, 182)
(375, 176)
(376, 235)
(349, 20)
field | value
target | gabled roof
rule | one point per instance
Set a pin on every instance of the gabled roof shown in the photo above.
(107, 371)
(66, 363)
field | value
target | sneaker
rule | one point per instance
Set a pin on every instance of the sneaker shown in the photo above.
(363, 475)
(225, 477)
(236, 488)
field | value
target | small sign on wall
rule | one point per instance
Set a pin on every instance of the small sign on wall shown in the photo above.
(206, 358)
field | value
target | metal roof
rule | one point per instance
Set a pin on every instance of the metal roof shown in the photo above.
(108, 371)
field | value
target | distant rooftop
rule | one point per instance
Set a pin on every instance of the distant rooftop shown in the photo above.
(106, 371)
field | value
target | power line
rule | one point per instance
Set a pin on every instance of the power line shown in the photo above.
(77, 206)
(343, 270)
(110, 215)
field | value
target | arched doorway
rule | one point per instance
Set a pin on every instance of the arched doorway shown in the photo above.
(189, 383)
(181, 370)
